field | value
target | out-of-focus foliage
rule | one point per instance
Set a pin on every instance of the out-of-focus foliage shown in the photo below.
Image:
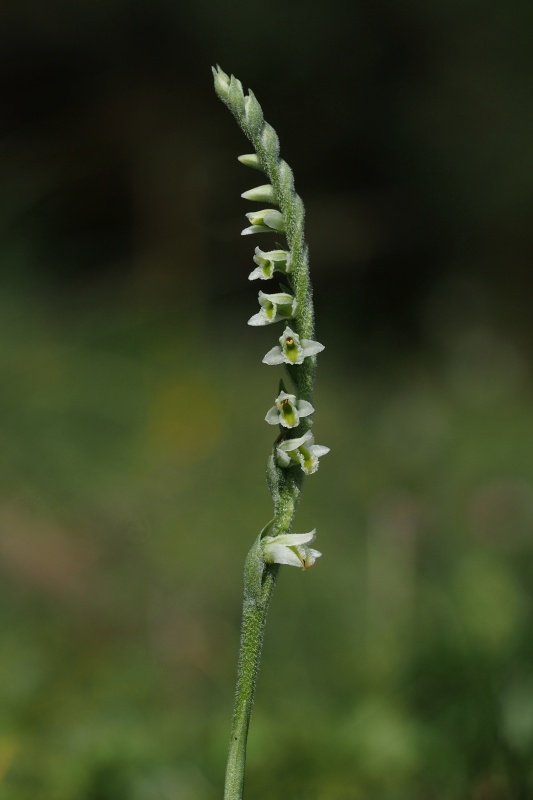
(132, 441)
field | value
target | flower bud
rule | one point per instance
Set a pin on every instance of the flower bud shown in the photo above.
(250, 160)
(261, 194)
(222, 80)
(267, 220)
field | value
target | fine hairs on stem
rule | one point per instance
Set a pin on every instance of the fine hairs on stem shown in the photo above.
(294, 452)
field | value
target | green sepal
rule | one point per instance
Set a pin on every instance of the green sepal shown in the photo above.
(287, 289)
(236, 97)
(267, 529)
(253, 113)
(274, 477)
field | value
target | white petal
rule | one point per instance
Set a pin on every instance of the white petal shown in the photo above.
(308, 556)
(282, 458)
(319, 450)
(267, 216)
(292, 539)
(311, 348)
(271, 255)
(274, 356)
(256, 229)
(289, 332)
(272, 416)
(293, 444)
(259, 319)
(274, 219)
(305, 408)
(258, 273)
(280, 554)
(256, 217)
(284, 396)
(278, 298)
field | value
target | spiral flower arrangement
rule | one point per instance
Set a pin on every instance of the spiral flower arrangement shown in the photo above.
(294, 453)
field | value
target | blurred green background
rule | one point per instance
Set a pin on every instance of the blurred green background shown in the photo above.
(132, 446)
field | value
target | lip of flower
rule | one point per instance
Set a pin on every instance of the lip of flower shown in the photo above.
(292, 349)
(291, 549)
(288, 410)
(268, 263)
(265, 221)
(302, 451)
(274, 307)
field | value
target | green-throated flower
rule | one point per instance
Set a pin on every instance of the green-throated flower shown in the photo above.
(288, 410)
(265, 221)
(302, 451)
(274, 307)
(292, 349)
(291, 549)
(270, 262)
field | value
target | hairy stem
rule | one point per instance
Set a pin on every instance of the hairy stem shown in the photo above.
(259, 582)
(254, 614)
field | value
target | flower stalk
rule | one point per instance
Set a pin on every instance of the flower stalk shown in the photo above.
(294, 453)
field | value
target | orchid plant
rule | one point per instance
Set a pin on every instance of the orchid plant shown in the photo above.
(294, 453)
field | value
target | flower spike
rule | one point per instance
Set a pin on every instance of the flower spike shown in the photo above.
(276, 543)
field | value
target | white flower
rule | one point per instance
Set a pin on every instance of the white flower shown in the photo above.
(291, 349)
(288, 410)
(274, 307)
(290, 548)
(267, 220)
(270, 262)
(302, 451)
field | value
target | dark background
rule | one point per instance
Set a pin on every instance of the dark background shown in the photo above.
(132, 447)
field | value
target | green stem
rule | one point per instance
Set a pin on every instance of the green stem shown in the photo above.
(259, 582)
(254, 616)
